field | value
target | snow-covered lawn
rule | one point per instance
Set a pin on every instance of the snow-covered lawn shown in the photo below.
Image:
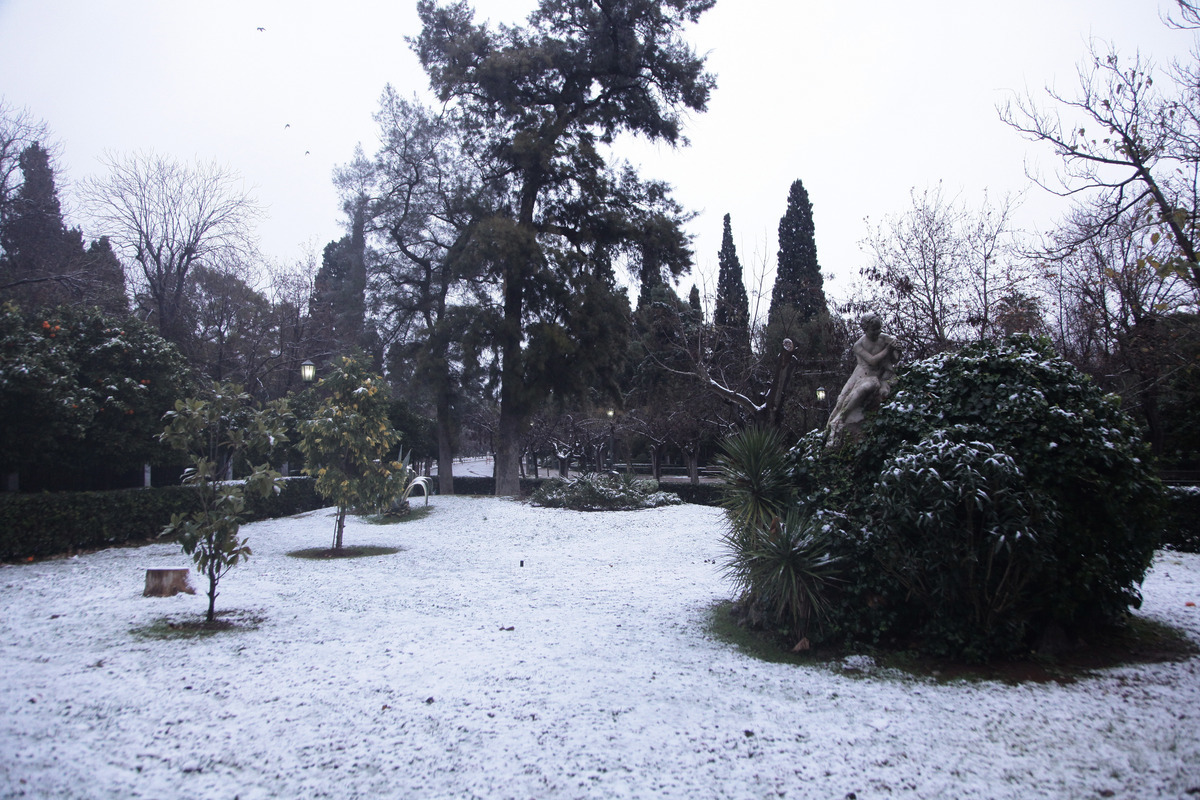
(450, 670)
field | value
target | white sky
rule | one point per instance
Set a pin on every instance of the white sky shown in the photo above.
(859, 100)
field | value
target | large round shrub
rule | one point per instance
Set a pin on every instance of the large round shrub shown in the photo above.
(997, 497)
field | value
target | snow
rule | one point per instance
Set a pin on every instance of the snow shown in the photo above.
(448, 670)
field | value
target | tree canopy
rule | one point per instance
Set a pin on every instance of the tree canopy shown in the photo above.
(545, 100)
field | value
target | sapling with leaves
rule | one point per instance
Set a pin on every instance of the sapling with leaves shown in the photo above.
(346, 444)
(214, 430)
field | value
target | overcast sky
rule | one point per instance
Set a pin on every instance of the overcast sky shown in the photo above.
(860, 100)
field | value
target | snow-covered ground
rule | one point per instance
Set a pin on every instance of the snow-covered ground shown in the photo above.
(448, 670)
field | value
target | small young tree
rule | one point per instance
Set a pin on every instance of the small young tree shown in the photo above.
(213, 430)
(347, 443)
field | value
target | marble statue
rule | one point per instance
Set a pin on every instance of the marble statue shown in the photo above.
(876, 355)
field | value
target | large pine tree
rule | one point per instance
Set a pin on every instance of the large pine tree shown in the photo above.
(546, 100)
(798, 282)
(732, 313)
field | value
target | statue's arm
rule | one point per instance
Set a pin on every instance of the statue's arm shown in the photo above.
(872, 360)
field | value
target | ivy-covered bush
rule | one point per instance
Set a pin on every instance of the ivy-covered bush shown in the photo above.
(998, 498)
(602, 492)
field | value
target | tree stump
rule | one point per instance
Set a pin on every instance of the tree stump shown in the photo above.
(167, 582)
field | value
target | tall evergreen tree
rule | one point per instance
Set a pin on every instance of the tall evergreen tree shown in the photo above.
(33, 237)
(42, 262)
(338, 306)
(798, 281)
(545, 100)
(732, 313)
(431, 298)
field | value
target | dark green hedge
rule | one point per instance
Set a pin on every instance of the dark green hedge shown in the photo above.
(48, 524)
(705, 494)
(702, 494)
(475, 485)
(1182, 529)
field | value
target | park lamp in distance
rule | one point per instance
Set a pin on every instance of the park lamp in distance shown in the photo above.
(308, 371)
(820, 394)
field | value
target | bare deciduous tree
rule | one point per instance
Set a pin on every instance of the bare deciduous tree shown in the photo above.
(943, 271)
(1129, 140)
(167, 217)
(918, 262)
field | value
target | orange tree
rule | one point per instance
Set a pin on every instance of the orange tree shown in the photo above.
(83, 392)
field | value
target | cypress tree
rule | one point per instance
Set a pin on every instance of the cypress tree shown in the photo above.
(33, 234)
(732, 313)
(798, 281)
(42, 262)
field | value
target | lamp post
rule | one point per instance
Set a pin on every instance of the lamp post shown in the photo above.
(308, 371)
(612, 441)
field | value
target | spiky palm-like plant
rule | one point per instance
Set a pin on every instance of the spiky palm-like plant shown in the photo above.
(754, 469)
(785, 568)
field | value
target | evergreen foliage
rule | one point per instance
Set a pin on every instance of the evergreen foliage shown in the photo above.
(213, 430)
(732, 313)
(45, 524)
(42, 263)
(346, 445)
(543, 100)
(602, 492)
(80, 391)
(996, 502)
(781, 563)
(798, 282)
(338, 305)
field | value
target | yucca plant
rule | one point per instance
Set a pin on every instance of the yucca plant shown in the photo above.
(785, 568)
(754, 469)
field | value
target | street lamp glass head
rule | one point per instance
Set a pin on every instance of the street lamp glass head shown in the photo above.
(820, 394)
(308, 371)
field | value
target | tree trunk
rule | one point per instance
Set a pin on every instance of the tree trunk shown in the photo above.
(508, 454)
(213, 577)
(445, 448)
(692, 458)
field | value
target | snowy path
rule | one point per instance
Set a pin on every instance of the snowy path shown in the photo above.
(392, 677)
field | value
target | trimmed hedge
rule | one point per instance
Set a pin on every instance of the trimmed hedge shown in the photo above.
(1182, 529)
(481, 485)
(704, 494)
(701, 494)
(46, 524)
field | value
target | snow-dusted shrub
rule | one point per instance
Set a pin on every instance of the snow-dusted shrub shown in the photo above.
(602, 492)
(962, 530)
(972, 449)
